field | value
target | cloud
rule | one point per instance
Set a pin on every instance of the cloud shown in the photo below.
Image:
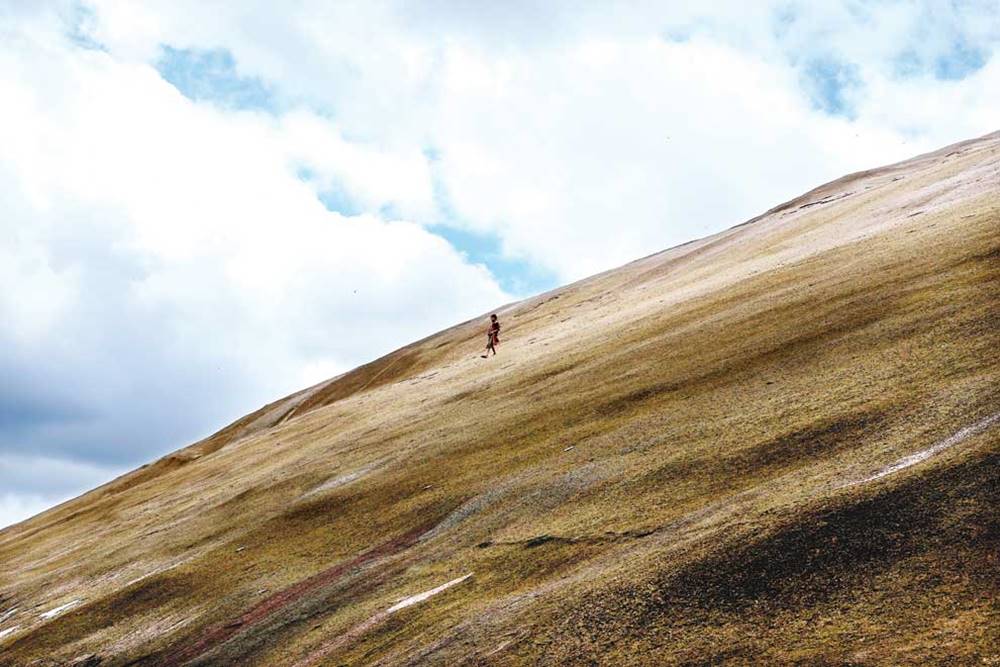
(206, 206)
(580, 138)
(172, 270)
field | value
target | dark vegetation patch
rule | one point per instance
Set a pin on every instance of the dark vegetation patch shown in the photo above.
(509, 566)
(829, 322)
(784, 451)
(135, 600)
(538, 541)
(823, 556)
(252, 501)
(714, 473)
(991, 257)
(547, 374)
(805, 444)
(831, 551)
(142, 596)
(637, 397)
(307, 515)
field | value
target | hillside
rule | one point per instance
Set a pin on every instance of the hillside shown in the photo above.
(779, 444)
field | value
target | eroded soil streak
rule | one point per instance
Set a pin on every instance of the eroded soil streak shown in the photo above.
(222, 632)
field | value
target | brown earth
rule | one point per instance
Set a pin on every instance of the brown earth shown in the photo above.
(776, 445)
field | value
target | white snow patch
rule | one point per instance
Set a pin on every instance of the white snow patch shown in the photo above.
(340, 480)
(923, 455)
(4, 633)
(158, 571)
(7, 614)
(52, 613)
(414, 599)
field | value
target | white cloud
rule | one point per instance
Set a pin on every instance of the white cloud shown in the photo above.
(551, 120)
(614, 150)
(174, 266)
(375, 178)
(170, 268)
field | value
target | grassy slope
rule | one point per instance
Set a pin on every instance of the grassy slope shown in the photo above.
(657, 468)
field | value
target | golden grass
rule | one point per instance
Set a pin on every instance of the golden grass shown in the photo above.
(656, 469)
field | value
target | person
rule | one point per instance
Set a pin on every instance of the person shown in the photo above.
(492, 336)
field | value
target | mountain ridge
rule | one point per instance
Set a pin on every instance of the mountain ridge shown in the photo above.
(225, 433)
(738, 390)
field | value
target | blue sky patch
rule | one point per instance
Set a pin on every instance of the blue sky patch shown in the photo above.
(80, 20)
(212, 76)
(516, 276)
(338, 201)
(829, 84)
(960, 61)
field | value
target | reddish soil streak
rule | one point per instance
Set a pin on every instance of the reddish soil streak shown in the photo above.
(221, 632)
(361, 628)
(329, 647)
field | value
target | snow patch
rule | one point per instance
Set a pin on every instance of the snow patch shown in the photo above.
(7, 614)
(414, 599)
(4, 633)
(340, 480)
(158, 571)
(923, 455)
(52, 613)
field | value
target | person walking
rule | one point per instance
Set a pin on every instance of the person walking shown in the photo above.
(493, 336)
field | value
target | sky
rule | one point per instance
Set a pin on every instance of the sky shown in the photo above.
(207, 205)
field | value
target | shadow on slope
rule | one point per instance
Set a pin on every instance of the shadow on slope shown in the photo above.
(825, 560)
